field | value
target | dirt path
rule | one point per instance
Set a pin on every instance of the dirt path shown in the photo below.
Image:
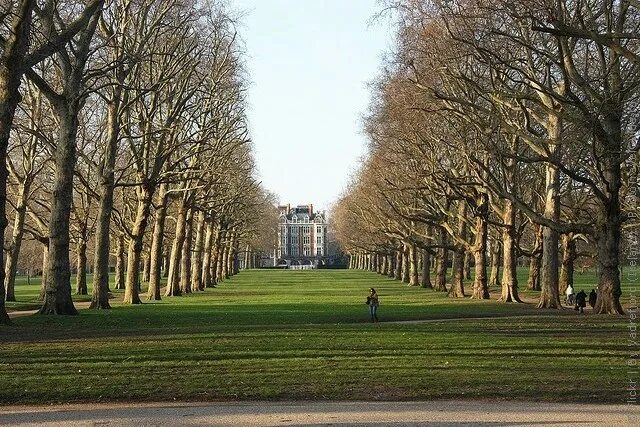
(438, 413)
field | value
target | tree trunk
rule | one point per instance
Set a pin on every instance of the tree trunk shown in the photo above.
(457, 282)
(207, 256)
(146, 265)
(43, 281)
(11, 70)
(426, 270)
(610, 221)
(220, 256)
(509, 266)
(533, 282)
(185, 266)
(81, 273)
(457, 279)
(197, 261)
(100, 294)
(442, 261)
(120, 263)
(156, 255)
(413, 266)
(58, 285)
(495, 251)
(467, 266)
(608, 241)
(16, 242)
(173, 283)
(550, 296)
(480, 288)
(569, 256)
(405, 263)
(131, 294)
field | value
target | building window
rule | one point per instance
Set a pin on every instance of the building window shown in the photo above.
(319, 230)
(306, 240)
(319, 240)
(319, 251)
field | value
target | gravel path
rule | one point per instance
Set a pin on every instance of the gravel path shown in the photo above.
(436, 413)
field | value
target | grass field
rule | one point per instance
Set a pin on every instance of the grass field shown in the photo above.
(271, 334)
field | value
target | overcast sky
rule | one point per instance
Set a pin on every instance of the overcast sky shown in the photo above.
(309, 62)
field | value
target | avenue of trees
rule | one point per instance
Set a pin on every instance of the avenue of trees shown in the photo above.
(124, 147)
(501, 132)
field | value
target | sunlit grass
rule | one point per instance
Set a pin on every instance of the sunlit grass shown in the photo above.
(305, 335)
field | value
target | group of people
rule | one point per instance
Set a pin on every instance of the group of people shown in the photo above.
(579, 300)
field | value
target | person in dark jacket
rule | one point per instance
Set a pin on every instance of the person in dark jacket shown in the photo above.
(593, 296)
(372, 302)
(581, 301)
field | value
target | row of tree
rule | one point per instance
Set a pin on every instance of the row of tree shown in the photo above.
(501, 129)
(123, 130)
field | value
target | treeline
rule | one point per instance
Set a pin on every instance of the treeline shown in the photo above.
(501, 130)
(123, 133)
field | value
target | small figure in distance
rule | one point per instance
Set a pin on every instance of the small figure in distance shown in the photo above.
(593, 296)
(372, 302)
(581, 301)
(571, 298)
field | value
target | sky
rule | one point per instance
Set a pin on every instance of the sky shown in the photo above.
(309, 62)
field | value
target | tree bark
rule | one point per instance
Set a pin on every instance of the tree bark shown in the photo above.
(509, 266)
(610, 221)
(197, 261)
(405, 263)
(533, 282)
(496, 254)
(11, 71)
(480, 288)
(58, 284)
(467, 266)
(550, 296)
(81, 272)
(173, 283)
(185, 266)
(45, 260)
(457, 281)
(16, 242)
(442, 259)
(131, 294)
(569, 256)
(155, 273)
(100, 295)
(120, 263)
(426, 270)
(413, 266)
(207, 256)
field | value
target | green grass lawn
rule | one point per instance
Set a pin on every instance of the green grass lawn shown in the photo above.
(272, 334)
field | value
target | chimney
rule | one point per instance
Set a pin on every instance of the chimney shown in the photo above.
(310, 209)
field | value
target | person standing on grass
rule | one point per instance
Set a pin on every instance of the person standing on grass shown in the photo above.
(593, 296)
(372, 302)
(581, 301)
(570, 300)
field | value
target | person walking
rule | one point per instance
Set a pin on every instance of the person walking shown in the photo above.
(581, 301)
(373, 302)
(570, 300)
(593, 297)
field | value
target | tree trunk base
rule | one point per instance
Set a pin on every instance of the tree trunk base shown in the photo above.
(131, 299)
(100, 305)
(480, 294)
(62, 308)
(5, 319)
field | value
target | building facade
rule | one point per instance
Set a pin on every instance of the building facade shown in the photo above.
(302, 236)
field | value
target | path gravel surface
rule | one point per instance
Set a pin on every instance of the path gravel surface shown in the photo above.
(434, 413)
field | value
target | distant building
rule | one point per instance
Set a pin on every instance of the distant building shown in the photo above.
(302, 236)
